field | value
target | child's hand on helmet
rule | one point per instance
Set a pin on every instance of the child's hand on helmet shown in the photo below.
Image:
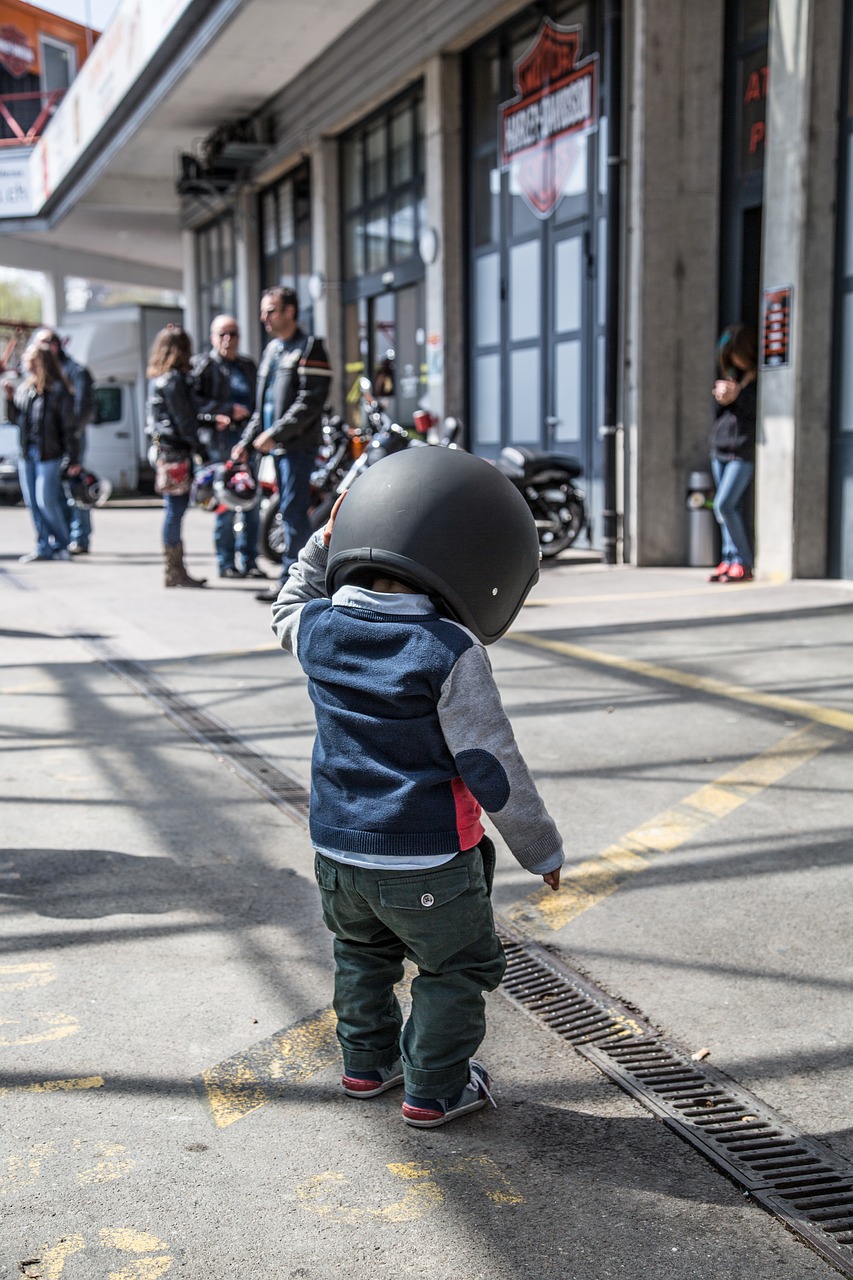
(330, 523)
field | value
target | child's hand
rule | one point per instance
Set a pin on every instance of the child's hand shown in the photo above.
(552, 878)
(330, 524)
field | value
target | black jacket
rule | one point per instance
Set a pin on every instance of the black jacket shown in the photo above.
(733, 432)
(47, 421)
(301, 387)
(211, 380)
(173, 415)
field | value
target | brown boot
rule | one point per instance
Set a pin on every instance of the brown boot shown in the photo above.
(176, 574)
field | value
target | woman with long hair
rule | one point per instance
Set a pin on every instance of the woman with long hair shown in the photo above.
(733, 449)
(43, 408)
(173, 423)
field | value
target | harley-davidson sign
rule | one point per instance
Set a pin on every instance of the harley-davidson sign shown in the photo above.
(557, 101)
(16, 54)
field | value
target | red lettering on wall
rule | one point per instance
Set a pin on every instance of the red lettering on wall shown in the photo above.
(756, 136)
(756, 86)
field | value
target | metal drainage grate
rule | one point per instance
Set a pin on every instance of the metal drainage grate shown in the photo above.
(801, 1182)
(285, 790)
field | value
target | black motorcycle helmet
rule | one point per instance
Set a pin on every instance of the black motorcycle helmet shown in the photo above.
(447, 523)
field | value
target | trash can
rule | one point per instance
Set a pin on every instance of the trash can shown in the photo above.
(703, 532)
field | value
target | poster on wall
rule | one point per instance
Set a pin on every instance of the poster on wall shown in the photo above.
(542, 130)
(776, 310)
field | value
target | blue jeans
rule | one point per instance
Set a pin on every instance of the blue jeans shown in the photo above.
(294, 489)
(245, 543)
(732, 480)
(42, 489)
(174, 507)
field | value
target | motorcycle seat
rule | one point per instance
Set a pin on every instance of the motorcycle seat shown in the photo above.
(521, 461)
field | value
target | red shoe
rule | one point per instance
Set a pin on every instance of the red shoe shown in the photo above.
(737, 573)
(720, 572)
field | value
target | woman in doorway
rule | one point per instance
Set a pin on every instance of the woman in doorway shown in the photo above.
(43, 408)
(173, 424)
(733, 449)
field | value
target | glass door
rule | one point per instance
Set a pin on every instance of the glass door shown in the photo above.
(532, 320)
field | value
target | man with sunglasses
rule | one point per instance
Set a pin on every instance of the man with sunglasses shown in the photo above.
(224, 382)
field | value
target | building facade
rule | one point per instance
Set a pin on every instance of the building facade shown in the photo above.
(539, 217)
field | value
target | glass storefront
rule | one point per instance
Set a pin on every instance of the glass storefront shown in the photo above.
(285, 234)
(536, 232)
(217, 269)
(383, 215)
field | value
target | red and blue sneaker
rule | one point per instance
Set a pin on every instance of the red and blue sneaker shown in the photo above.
(429, 1113)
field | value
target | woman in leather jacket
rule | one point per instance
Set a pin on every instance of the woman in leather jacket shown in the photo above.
(43, 408)
(733, 449)
(173, 422)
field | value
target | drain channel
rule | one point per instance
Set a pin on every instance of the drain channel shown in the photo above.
(795, 1178)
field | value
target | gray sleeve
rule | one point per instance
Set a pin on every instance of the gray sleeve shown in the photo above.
(481, 740)
(306, 581)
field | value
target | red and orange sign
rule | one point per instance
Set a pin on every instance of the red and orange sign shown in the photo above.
(557, 101)
(776, 327)
(22, 25)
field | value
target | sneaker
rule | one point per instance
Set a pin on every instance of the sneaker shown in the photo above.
(31, 557)
(720, 572)
(61, 554)
(229, 572)
(254, 571)
(737, 573)
(78, 549)
(269, 596)
(429, 1113)
(367, 1084)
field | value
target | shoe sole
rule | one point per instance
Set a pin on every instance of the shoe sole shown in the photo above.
(446, 1118)
(374, 1090)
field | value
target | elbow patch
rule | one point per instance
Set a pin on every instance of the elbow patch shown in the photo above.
(485, 777)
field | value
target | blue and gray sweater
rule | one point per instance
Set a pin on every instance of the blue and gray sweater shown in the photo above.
(412, 739)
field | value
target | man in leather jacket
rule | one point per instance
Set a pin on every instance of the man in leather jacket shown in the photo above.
(292, 389)
(224, 383)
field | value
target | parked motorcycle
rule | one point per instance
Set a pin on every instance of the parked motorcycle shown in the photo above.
(341, 445)
(546, 481)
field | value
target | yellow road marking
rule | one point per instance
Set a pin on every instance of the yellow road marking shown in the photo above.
(248, 1080)
(56, 1086)
(700, 684)
(59, 1026)
(590, 881)
(241, 1084)
(618, 597)
(322, 1193)
(35, 974)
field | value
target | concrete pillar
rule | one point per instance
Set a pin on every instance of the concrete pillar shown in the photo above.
(247, 289)
(445, 198)
(195, 325)
(673, 109)
(325, 255)
(792, 463)
(53, 298)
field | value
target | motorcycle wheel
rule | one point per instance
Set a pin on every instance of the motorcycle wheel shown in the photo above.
(320, 514)
(565, 520)
(271, 535)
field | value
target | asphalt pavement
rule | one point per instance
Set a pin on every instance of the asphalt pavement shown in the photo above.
(168, 1068)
